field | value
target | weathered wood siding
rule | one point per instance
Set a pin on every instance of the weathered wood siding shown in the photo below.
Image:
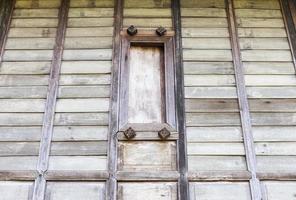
(270, 80)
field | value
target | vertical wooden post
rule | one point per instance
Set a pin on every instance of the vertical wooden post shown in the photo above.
(243, 103)
(113, 120)
(6, 11)
(183, 190)
(288, 8)
(48, 118)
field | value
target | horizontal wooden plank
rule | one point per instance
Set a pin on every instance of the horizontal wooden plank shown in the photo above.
(15, 190)
(21, 134)
(23, 80)
(149, 191)
(209, 80)
(270, 80)
(23, 119)
(215, 149)
(82, 105)
(147, 12)
(203, 4)
(260, 23)
(264, 43)
(91, 12)
(276, 149)
(98, 54)
(220, 190)
(211, 176)
(276, 163)
(23, 68)
(204, 22)
(32, 32)
(89, 32)
(28, 55)
(269, 68)
(284, 190)
(84, 91)
(30, 43)
(75, 190)
(60, 133)
(212, 119)
(210, 92)
(22, 105)
(35, 13)
(23, 92)
(85, 79)
(208, 68)
(274, 134)
(88, 43)
(23, 163)
(86, 67)
(271, 92)
(215, 163)
(211, 105)
(147, 4)
(40, 4)
(203, 12)
(214, 134)
(90, 22)
(270, 4)
(272, 105)
(273, 119)
(266, 55)
(151, 23)
(92, 3)
(147, 176)
(207, 55)
(205, 32)
(81, 119)
(262, 32)
(162, 156)
(34, 23)
(260, 13)
(77, 163)
(206, 43)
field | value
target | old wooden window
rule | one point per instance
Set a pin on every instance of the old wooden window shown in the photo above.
(147, 84)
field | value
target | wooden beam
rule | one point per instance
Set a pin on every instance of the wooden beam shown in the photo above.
(243, 102)
(113, 121)
(289, 13)
(183, 191)
(6, 11)
(48, 118)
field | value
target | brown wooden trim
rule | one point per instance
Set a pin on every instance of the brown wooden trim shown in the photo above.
(219, 176)
(6, 12)
(48, 118)
(243, 102)
(168, 82)
(183, 190)
(288, 8)
(113, 121)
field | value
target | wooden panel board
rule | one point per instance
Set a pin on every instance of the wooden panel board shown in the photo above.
(84, 91)
(26, 80)
(18, 163)
(89, 32)
(288, 119)
(204, 22)
(96, 80)
(81, 119)
(85, 67)
(11, 190)
(89, 22)
(268, 68)
(216, 149)
(35, 13)
(82, 105)
(260, 23)
(32, 32)
(209, 80)
(272, 105)
(96, 54)
(13, 119)
(270, 4)
(274, 133)
(28, 55)
(271, 92)
(23, 92)
(88, 43)
(30, 43)
(91, 12)
(34, 23)
(205, 32)
(151, 23)
(20, 134)
(206, 43)
(212, 119)
(211, 105)
(202, 4)
(276, 149)
(266, 55)
(276, 163)
(220, 191)
(216, 163)
(260, 13)
(147, 12)
(203, 12)
(210, 92)
(262, 32)
(208, 55)
(147, 4)
(77, 163)
(147, 191)
(92, 3)
(284, 190)
(22, 105)
(40, 4)
(264, 43)
(75, 190)
(270, 80)
(23, 68)
(208, 68)
(143, 156)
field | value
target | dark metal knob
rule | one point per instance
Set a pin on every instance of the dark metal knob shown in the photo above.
(129, 133)
(132, 30)
(164, 134)
(160, 31)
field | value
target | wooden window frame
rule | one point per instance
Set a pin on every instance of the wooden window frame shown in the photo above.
(169, 120)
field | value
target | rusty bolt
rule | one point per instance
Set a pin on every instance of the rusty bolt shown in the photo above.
(164, 134)
(129, 133)
(160, 31)
(132, 30)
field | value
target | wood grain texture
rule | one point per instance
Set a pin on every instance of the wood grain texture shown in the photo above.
(256, 193)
